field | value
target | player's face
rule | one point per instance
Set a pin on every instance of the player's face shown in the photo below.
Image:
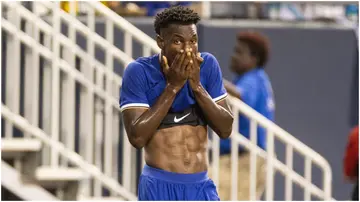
(242, 60)
(177, 37)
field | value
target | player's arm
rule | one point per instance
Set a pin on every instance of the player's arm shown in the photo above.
(217, 114)
(213, 104)
(142, 123)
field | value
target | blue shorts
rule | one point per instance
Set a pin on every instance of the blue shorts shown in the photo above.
(161, 185)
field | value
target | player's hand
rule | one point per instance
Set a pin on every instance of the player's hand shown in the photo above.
(194, 76)
(177, 74)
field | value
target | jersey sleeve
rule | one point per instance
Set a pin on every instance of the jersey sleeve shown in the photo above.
(248, 90)
(215, 86)
(132, 92)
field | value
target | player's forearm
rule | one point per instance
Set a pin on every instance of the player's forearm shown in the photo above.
(219, 118)
(146, 125)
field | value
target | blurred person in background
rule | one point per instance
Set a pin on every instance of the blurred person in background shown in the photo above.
(351, 161)
(253, 87)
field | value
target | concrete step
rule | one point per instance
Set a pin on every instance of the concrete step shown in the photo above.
(13, 180)
(51, 177)
(18, 147)
(64, 178)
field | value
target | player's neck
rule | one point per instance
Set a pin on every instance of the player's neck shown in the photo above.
(244, 71)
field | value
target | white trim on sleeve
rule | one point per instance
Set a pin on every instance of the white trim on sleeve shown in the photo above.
(220, 97)
(134, 105)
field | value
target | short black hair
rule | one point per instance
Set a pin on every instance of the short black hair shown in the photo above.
(175, 15)
(258, 44)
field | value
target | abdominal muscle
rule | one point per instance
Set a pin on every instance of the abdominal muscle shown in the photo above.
(179, 149)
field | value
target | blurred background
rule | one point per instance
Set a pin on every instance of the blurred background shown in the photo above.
(61, 71)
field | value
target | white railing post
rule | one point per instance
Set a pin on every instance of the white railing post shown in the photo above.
(234, 158)
(307, 168)
(115, 146)
(128, 43)
(215, 157)
(46, 100)
(126, 164)
(29, 106)
(108, 105)
(55, 85)
(12, 70)
(86, 139)
(99, 128)
(253, 161)
(327, 185)
(289, 164)
(68, 92)
(270, 166)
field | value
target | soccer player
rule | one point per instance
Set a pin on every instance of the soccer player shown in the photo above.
(253, 87)
(167, 101)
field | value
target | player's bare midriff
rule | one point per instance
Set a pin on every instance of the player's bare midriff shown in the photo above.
(178, 149)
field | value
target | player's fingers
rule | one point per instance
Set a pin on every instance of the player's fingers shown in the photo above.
(185, 64)
(165, 64)
(176, 59)
(199, 58)
(189, 60)
(189, 67)
(180, 59)
(188, 52)
(195, 60)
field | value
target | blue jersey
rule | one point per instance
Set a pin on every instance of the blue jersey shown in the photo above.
(143, 82)
(256, 91)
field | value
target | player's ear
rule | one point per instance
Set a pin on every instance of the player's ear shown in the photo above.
(160, 41)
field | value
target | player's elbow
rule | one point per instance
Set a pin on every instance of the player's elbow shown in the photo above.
(137, 142)
(225, 134)
(226, 131)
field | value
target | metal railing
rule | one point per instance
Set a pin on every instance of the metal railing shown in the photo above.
(58, 77)
(273, 164)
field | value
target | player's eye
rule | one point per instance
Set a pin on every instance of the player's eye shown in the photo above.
(193, 41)
(177, 42)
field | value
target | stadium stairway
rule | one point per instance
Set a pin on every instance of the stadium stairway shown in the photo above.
(62, 137)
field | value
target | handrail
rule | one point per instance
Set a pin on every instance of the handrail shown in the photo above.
(300, 180)
(281, 133)
(239, 106)
(66, 153)
(126, 25)
(22, 123)
(48, 30)
(96, 37)
(46, 53)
